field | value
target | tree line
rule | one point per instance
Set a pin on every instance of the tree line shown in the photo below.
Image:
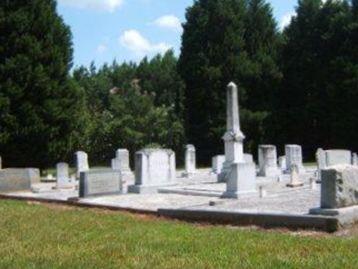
(297, 85)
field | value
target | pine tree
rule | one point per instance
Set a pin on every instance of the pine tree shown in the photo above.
(41, 108)
(223, 41)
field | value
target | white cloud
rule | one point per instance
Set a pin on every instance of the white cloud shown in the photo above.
(286, 19)
(102, 48)
(168, 21)
(104, 5)
(139, 45)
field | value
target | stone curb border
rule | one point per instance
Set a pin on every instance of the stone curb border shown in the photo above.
(294, 222)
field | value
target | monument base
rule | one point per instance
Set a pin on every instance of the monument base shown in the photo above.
(346, 215)
(237, 195)
(295, 185)
(141, 189)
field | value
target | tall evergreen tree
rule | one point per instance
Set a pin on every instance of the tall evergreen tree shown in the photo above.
(41, 108)
(223, 41)
(317, 99)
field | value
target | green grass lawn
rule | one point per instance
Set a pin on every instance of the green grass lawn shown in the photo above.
(47, 236)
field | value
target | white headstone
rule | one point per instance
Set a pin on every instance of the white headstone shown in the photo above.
(122, 161)
(217, 164)
(233, 138)
(248, 158)
(81, 162)
(63, 177)
(154, 168)
(294, 157)
(354, 159)
(268, 161)
(337, 157)
(282, 163)
(190, 160)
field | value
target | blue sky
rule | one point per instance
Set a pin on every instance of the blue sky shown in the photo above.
(127, 30)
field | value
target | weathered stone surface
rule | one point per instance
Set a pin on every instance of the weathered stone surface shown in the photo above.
(248, 158)
(100, 183)
(339, 187)
(217, 164)
(294, 157)
(63, 177)
(153, 168)
(121, 162)
(337, 157)
(295, 178)
(241, 181)
(268, 161)
(13, 179)
(282, 163)
(321, 159)
(190, 160)
(81, 162)
(354, 158)
(233, 138)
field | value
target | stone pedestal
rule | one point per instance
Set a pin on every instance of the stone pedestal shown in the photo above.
(154, 168)
(81, 162)
(190, 160)
(268, 161)
(241, 180)
(294, 157)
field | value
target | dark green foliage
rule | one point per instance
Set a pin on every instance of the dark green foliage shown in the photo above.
(317, 103)
(223, 41)
(133, 106)
(41, 115)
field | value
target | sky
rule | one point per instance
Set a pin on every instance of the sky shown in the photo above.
(128, 30)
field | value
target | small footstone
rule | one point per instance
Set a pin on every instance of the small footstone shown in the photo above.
(295, 180)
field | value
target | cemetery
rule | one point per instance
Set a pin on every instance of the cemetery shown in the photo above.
(235, 190)
(178, 134)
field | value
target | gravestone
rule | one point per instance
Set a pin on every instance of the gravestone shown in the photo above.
(354, 159)
(190, 160)
(100, 183)
(337, 157)
(282, 163)
(240, 176)
(295, 178)
(81, 162)
(268, 161)
(233, 138)
(217, 164)
(63, 177)
(15, 179)
(248, 158)
(321, 162)
(294, 157)
(121, 162)
(154, 168)
(339, 187)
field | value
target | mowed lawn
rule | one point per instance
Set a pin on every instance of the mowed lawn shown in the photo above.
(48, 236)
